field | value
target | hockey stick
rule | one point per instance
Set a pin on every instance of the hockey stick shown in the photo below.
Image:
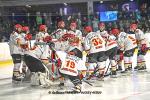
(87, 82)
(55, 32)
(92, 74)
(95, 71)
(107, 70)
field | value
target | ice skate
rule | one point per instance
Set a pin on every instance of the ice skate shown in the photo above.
(113, 74)
(76, 89)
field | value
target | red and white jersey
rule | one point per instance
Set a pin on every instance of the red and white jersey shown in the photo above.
(40, 36)
(70, 65)
(78, 34)
(93, 43)
(110, 39)
(59, 33)
(140, 36)
(128, 42)
(42, 53)
(15, 42)
(62, 45)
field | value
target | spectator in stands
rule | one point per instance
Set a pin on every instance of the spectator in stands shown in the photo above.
(95, 22)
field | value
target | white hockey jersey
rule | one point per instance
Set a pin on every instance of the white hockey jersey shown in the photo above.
(40, 36)
(78, 34)
(93, 43)
(110, 40)
(42, 53)
(15, 47)
(147, 39)
(127, 42)
(70, 65)
(141, 39)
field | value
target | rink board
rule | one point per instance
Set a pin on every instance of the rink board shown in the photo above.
(6, 63)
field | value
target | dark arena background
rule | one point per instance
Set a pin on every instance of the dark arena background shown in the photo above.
(125, 72)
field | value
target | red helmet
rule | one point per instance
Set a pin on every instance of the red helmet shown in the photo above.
(101, 24)
(133, 26)
(18, 26)
(60, 23)
(115, 31)
(25, 28)
(42, 27)
(88, 29)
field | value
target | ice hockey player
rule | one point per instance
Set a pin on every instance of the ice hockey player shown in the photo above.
(60, 31)
(77, 46)
(78, 34)
(120, 36)
(16, 51)
(142, 44)
(69, 69)
(111, 47)
(38, 63)
(95, 48)
(27, 46)
(42, 33)
(43, 36)
(57, 36)
(127, 45)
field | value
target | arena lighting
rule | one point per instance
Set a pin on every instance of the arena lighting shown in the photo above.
(131, 0)
(65, 4)
(28, 6)
(65, 11)
(101, 1)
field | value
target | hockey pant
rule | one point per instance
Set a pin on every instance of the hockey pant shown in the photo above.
(111, 55)
(17, 63)
(77, 53)
(99, 58)
(128, 55)
(119, 60)
(140, 59)
(74, 79)
(40, 73)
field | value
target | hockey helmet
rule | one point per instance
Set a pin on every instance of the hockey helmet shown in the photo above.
(88, 29)
(115, 31)
(42, 27)
(18, 26)
(25, 28)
